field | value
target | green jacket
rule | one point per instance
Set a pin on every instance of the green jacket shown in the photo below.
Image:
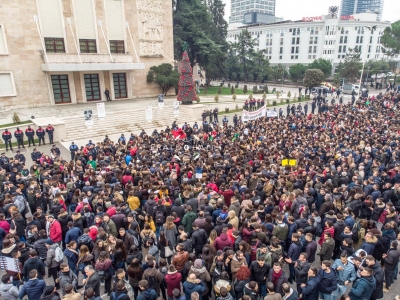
(188, 220)
(281, 231)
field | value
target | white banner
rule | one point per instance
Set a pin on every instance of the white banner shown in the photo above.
(149, 113)
(160, 101)
(253, 115)
(101, 110)
(88, 117)
(176, 107)
(271, 113)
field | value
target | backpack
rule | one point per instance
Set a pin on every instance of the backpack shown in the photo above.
(58, 255)
(223, 215)
(160, 218)
(135, 239)
(117, 298)
(146, 238)
(253, 252)
(301, 208)
(89, 220)
(354, 233)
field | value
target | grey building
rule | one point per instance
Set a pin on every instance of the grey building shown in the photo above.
(351, 7)
(241, 7)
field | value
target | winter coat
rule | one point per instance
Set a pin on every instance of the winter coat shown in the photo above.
(157, 278)
(72, 235)
(63, 219)
(311, 291)
(33, 288)
(302, 223)
(236, 264)
(179, 260)
(327, 249)
(93, 282)
(392, 259)
(148, 294)
(34, 263)
(283, 279)
(149, 207)
(190, 287)
(376, 213)
(378, 275)
(338, 227)
(8, 291)
(173, 281)
(110, 227)
(178, 209)
(128, 240)
(281, 231)
(40, 247)
(233, 219)
(296, 205)
(55, 231)
(50, 261)
(170, 235)
(188, 220)
(67, 278)
(311, 249)
(327, 281)
(348, 274)
(301, 271)
(235, 206)
(362, 288)
(199, 239)
(369, 246)
(222, 241)
(294, 251)
(259, 273)
(75, 296)
(203, 275)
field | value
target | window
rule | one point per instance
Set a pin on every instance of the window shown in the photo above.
(87, 46)
(92, 87)
(280, 56)
(340, 49)
(310, 49)
(117, 46)
(344, 49)
(3, 45)
(7, 85)
(60, 89)
(370, 39)
(280, 50)
(369, 49)
(281, 41)
(341, 40)
(54, 45)
(297, 41)
(345, 39)
(120, 85)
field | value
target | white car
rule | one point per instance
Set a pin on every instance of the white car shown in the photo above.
(390, 74)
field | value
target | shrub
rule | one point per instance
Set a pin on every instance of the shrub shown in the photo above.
(273, 90)
(274, 103)
(255, 90)
(266, 89)
(16, 118)
(289, 94)
(245, 89)
(219, 90)
(307, 97)
(251, 96)
(216, 98)
(234, 96)
(197, 98)
(287, 100)
(277, 94)
(232, 90)
(226, 109)
(299, 98)
(236, 86)
(264, 96)
(229, 85)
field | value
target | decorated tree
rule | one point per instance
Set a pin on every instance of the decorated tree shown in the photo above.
(186, 90)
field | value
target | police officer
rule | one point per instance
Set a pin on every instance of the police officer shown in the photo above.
(280, 112)
(215, 112)
(196, 126)
(21, 158)
(205, 125)
(210, 116)
(72, 149)
(313, 105)
(7, 139)
(19, 135)
(204, 115)
(225, 121)
(36, 155)
(50, 132)
(30, 133)
(55, 151)
(306, 108)
(288, 110)
(235, 120)
(4, 160)
(40, 134)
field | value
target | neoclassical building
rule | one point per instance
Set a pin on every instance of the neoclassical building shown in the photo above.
(69, 51)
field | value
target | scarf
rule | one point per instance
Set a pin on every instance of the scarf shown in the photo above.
(275, 277)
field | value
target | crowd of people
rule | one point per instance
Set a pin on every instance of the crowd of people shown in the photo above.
(213, 213)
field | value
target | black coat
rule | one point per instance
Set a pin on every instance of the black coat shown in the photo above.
(63, 220)
(34, 263)
(94, 282)
(258, 273)
(392, 259)
(199, 239)
(378, 275)
(178, 209)
(301, 271)
(311, 249)
(310, 291)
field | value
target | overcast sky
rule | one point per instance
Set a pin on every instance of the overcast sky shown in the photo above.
(296, 9)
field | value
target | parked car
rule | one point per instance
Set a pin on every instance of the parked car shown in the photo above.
(321, 89)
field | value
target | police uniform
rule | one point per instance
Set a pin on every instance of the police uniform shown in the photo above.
(30, 134)
(19, 135)
(50, 131)
(7, 139)
(40, 134)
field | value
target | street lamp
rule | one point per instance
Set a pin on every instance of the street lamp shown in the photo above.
(372, 29)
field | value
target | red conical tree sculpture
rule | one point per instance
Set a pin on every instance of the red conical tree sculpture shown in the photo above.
(186, 91)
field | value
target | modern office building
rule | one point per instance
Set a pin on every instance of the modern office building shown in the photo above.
(292, 42)
(351, 7)
(241, 7)
(69, 51)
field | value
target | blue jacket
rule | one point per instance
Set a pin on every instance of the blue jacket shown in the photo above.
(295, 250)
(349, 221)
(148, 294)
(348, 274)
(33, 288)
(72, 235)
(72, 258)
(327, 281)
(310, 291)
(363, 288)
(369, 247)
(190, 287)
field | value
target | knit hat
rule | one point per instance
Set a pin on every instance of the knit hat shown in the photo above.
(176, 293)
(198, 263)
(49, 242)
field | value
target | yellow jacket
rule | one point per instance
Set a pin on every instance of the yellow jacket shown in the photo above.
(133, 202)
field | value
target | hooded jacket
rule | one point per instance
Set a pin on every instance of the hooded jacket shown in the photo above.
(296, 205)
(233, 219)
(8, 291)
(178, 209)
(190, 287)
(34, 263)
(50, 261)
(281, 231)
(235, 206)
(55, 231)
(188, 220)
(33, 288)
(302, 223)
(327, 249)
(156, 274)
(222, 241)
(40, 247)
(338, 227)
(199, 238)
(148, 294)
(369, 246)
(72, 235)
(203, 275)
(173, 281)
(363, 288)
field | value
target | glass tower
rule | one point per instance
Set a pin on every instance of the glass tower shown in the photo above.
(240, 7)
(350, 7)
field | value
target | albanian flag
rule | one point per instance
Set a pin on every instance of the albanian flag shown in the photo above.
(179, 134)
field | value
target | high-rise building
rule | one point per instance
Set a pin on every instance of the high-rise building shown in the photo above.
(350, 7)
(241, 7)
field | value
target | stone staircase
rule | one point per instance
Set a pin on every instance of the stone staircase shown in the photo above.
(116, 122)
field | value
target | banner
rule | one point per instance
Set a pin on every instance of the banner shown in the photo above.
(101, 110)
(271, 113)
(160, 101)
(88, 117)
(149, 113)
(253, 115)
(176, 107)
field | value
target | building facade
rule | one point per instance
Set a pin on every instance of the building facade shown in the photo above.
(351, 7)
(289, 43)
(241, 7)
(69, 51)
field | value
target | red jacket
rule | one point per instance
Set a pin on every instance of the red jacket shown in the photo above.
(55, 231)
(5, 225)
(228, 194)
(111, 211)
(330, 230)
(173, 282)
(222, 241)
